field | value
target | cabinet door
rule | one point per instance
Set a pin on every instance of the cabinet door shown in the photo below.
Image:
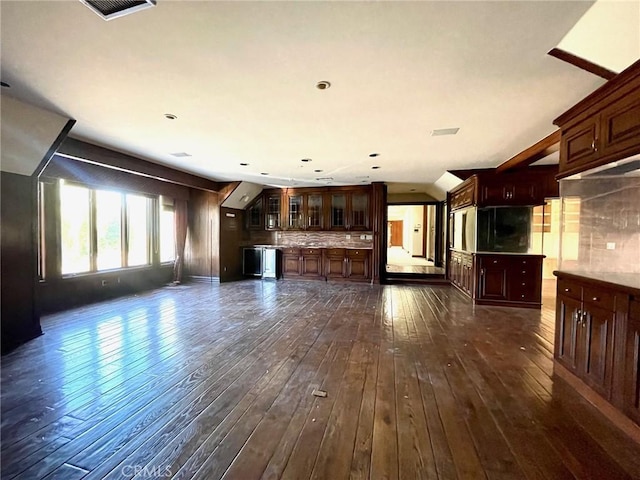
(273, 212)
(254, 215)
(291, 262)
(492, 284)
(311, 263)
(359, 211)
(620, 127)
(494, 194)
(632, 363)
(578, 145)
(598, 353)
(314, 209)
(334, 266)
(295, 217)
(568, 318)
(358, 264)
(338, 211)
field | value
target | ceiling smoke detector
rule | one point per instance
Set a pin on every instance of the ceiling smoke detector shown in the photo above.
(110, 9)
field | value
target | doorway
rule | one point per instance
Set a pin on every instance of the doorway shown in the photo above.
(414, 240)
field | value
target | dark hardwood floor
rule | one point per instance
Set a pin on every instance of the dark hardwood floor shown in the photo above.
(215, 381)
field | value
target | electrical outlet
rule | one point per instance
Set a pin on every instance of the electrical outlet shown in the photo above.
(348, 236)
(363, 237)
(611, 245)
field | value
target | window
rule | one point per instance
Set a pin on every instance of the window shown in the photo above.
(137, 230)
(108, 229)
(104, 229)
(75, 238)
(167, 232)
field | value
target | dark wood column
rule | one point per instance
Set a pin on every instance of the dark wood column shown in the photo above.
(379, 221)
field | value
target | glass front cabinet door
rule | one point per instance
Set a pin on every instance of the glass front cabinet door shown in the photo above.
(272, 214)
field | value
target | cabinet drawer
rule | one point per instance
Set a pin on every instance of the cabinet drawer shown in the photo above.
(291, 251)
(595, 297)
(311, 251)
(335, 252)
(494, 261)
(569, 289)
(357, 253)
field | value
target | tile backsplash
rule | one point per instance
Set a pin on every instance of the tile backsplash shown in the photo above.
(312, 239)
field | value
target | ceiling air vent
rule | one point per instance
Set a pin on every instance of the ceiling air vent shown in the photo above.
(109, 9)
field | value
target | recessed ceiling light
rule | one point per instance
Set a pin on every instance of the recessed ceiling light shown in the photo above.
(444, 131)
(306, 160)
(375, 167)
(244, 164)
(324, 178)
(264, 173)
(170, 116)
(373, 155)
(5, 84)
(412, 190)
(323, 85)
(180, 154)
(317, 171)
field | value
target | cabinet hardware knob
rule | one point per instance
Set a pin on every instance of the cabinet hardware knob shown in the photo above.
(567, 289)
(495, 261)
(593, 145)
(523, 284)
(524, 271)
(595, 299)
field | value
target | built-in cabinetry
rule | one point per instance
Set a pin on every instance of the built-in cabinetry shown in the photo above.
(498, 279)
(327, 263)
(339, 208)
(604, 127)
(597, 338)
(523, 187)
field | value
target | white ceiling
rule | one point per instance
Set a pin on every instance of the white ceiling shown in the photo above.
(241, 76)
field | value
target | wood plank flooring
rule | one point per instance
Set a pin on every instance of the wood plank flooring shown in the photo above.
(210, 381)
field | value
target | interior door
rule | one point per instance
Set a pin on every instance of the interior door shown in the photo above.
(395, 233)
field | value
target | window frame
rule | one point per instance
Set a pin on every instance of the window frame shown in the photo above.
(152, 232)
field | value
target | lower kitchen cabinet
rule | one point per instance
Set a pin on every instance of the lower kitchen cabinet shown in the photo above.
(631, 397)
(357, 265)
(326, 263)
(510, 280)
(291, 262)
(311, 260)
(597, 339)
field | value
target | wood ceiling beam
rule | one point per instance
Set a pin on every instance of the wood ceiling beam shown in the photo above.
(582, 63)
(548, 145)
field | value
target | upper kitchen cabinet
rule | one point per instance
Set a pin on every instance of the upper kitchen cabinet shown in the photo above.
(526, 187)
(254, 216)
(349, 209)
(604, 127)
(304, 210)
(273, 210)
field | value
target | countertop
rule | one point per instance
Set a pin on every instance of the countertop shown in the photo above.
(628, 281)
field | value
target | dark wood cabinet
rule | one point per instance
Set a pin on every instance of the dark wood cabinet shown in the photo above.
(311, 261)
(464, 195)
(508, 279)
(492, 282)
(631, 378)
(461, 271)
(255, 215)
(349, 209)
(273, 210)
(357, 265)
(304, 210)
(291, 266)
(334, 262)
(597, 338)
(604, 127)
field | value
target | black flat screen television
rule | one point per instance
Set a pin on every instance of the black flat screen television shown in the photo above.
(504, 229)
